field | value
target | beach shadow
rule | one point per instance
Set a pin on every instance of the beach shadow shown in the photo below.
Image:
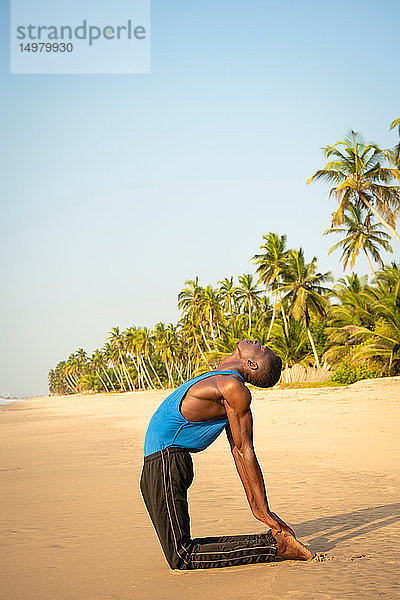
(353, 524)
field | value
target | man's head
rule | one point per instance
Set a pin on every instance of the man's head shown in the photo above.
(261, 366)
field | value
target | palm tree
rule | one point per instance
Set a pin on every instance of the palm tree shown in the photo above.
(349, 289)
(395, 154)
(380, 342)
(81, 357)
(211, 309)
(304, 288)
(262, 320)
(228, 294)
(293, 348)
(52, 377)
(117, 342)
(61, 380)
(191, 336)
(271, 269)
(390, 277)
(111, 357)
(177, 349)
(89, 381)
(147, 347)
(360, 235)
(353, 306)
(189, 301)
(58, 383)
(133, 346)
(72, 371)
(168, 347)
(361, 177)
(248, 296)
(383, 344)
(142, 345)
(97, 362)
(365, 325)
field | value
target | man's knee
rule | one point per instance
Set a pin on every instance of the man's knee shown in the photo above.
(175, 561)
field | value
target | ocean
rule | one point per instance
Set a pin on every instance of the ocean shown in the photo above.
(5, 399)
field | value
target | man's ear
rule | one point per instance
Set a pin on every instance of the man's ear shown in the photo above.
(252, 365)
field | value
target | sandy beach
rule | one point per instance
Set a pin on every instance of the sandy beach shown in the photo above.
(74, 526)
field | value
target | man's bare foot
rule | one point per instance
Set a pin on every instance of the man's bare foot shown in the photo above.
(288, 547)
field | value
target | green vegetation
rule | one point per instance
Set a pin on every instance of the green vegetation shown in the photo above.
(352, 324)
(348, 373)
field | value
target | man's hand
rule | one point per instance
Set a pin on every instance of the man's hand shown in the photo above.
(282, 524)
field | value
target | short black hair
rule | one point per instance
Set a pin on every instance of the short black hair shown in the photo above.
(268, 372)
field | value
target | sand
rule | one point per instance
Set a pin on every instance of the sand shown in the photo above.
(74, 526)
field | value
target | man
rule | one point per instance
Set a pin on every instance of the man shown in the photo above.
(189, 420)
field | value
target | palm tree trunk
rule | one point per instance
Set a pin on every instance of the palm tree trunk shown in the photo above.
(70, 383)
(146, 372)
(146, 380)
(99, 376)
(179, 371)
(370, 266)
(132, 385)
(285, 323)
(141, 380)
(136, 367)
(381, 219)
(310, 337)
(249, 318)
(117, 375)
(170, 380)
(204, 337)
(211, 327)
(125, 371)
(125, 374)
(139, 371)
(130, 380)
(155, 373)
(109, 379)
(201, 352)
(76, 384)
(121, 377)
(72, 389)
(170, 376)
(212, 330)
(273, 319)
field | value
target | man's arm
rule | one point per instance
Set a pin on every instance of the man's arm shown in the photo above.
(240, 436)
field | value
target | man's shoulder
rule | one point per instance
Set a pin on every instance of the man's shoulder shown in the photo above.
(233, 387)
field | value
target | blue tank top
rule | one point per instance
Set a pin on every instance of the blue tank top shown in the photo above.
(168, 427)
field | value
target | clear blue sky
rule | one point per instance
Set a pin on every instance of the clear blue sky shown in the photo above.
(116, 189)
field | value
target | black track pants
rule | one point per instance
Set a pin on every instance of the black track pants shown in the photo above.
(166, 477)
